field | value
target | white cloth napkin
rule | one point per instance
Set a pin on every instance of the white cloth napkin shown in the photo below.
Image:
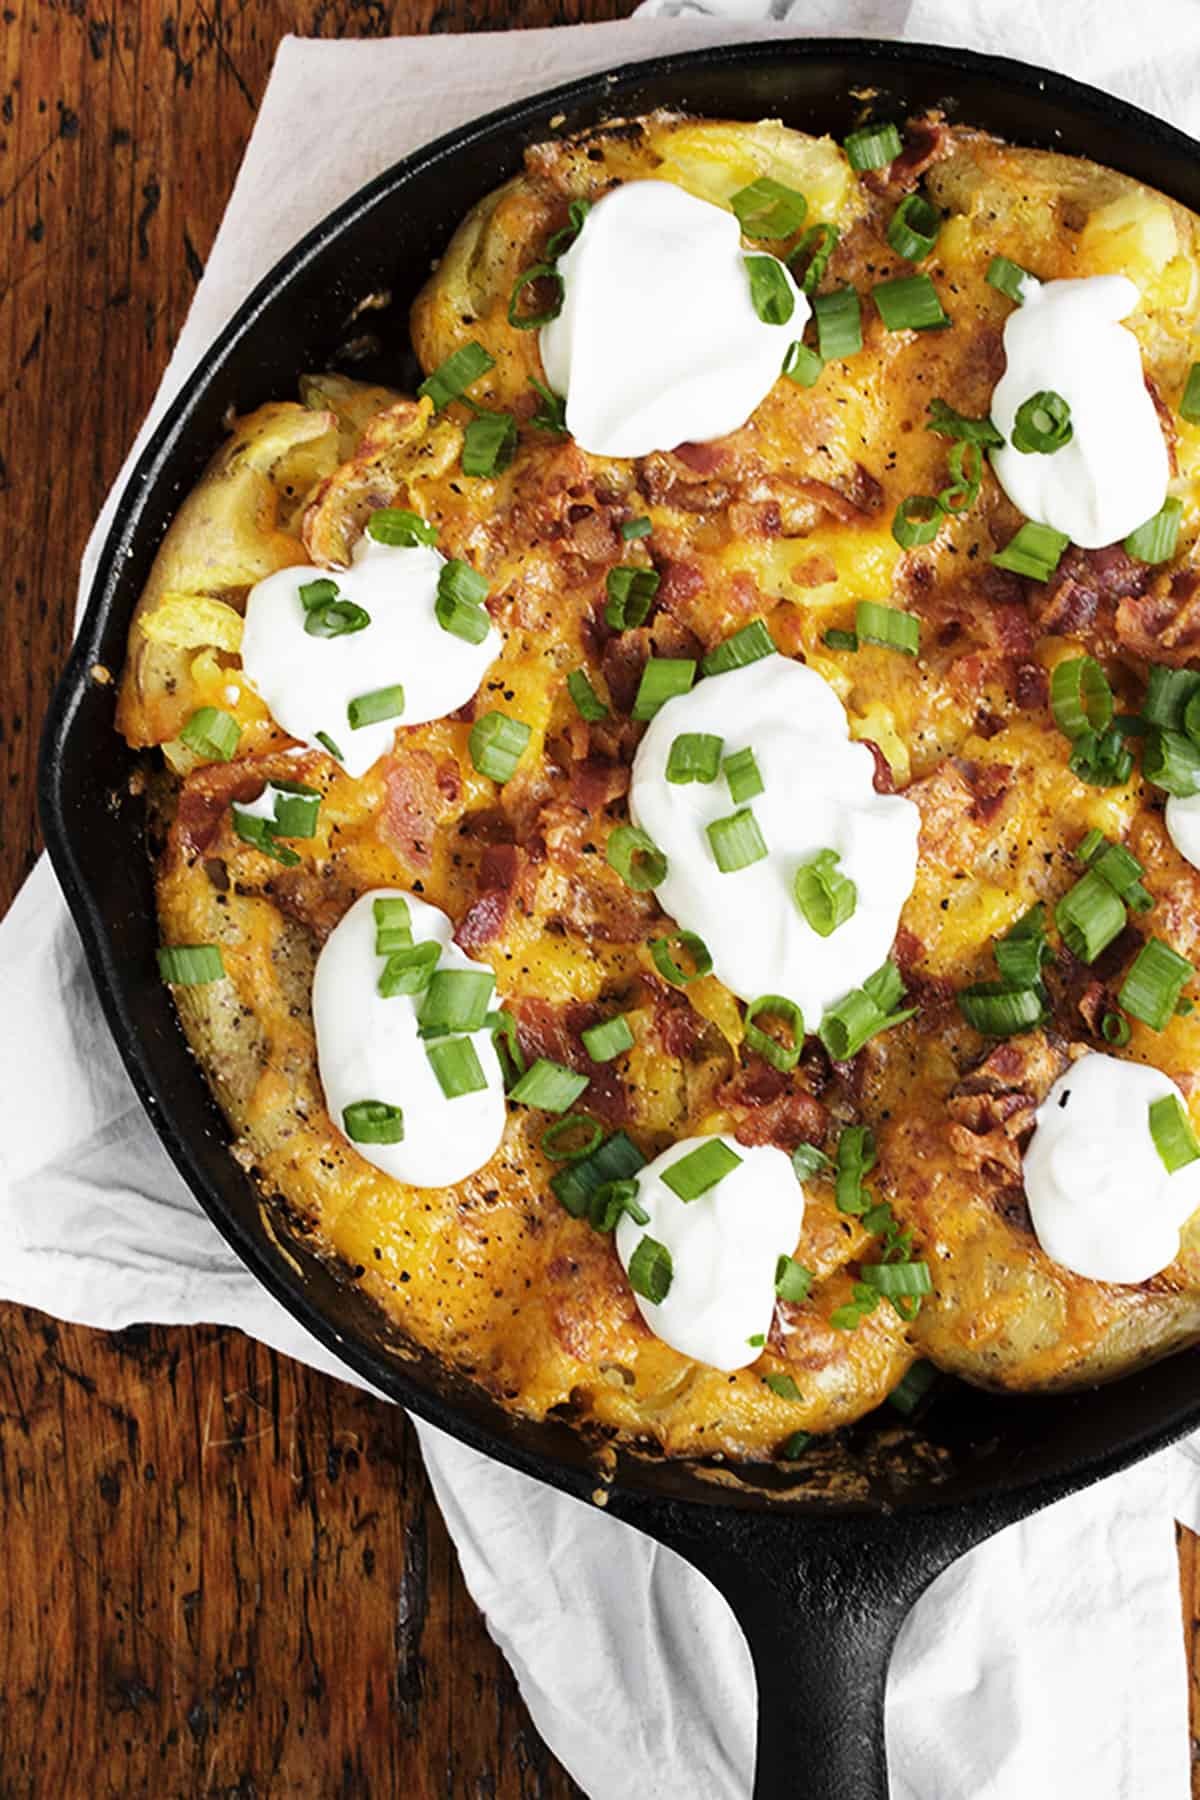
(1049, 1662)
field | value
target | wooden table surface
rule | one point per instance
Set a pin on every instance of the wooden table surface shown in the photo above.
(220, 1574)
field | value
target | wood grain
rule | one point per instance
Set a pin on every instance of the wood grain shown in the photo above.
(223, 1575)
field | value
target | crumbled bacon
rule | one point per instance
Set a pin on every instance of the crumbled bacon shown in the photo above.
(883, 781)
(926, 142)
(993, 1107)
(769, 1107)
(1070, 601)
(418, 789)
(1164, 624)
(705, 459)
(547, 1029)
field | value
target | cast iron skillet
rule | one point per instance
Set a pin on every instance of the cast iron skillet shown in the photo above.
(822, 1561)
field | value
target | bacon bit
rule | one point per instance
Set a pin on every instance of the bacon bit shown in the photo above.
(989, 784)
(593, 535)
(817, 570)
(679, 1029)
(622, 661)
(678, 581)
(1095, 1000)
(500, 865)
(1070, 601)
(909, 951)
(705, 459)
(847, 508)
(597, 781)
(1031, 687)
(989, 724)
(883, 781)
(1163, 626)
(317, 900)
(547, 1029)
(751, 519)
(417, 789)
(927, 142)
(483, 921)
(769, 1107)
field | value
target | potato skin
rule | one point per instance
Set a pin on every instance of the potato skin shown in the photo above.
(788, 518)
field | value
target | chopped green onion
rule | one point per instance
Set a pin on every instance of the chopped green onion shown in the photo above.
(887, 625)
(816, 247)
(912, 1389)
(551, 415)
(909, 303)
(617, 1158)
(998, 1010)
(695, 756)
(1080, 697)
(373, 1122)
(839, 323)
(784, 1386)
(1172, 1132)
(497, 743)
(337, 618)
(630, 591)
(1172, 762)
(212, 733)
(840, 640)
(1101, 758)
(1115, 1029)
(548, 1085)
(609, 1201)
(1042, 424)
(297, 809)
(854, 1161)
(609, 1039)
(1035, 551)
(746, 646)
(1021, 952)
(456, 1064)
(1123, 873)
(542, 271)
(736, 842)
(323, 738)
(767, 209)
(891, 1279)
(635, 528)
(1008, 278)
(1184, 1008)
(1089, 916)
(376, 707)
(757, 1341)
(1168, 694)
(393, 924)
(561, 1141)
(694, 948)
(191, 965)
(636, 858)
(966, 469)
(1089, 844)
(802, 365)
(917, 520)
(1191, 719)
(456, 1000)
(489, 443)
(461, 618)
(261, 833)
(825, 896)
(946, 422)
(395, 526)
(588, 703)
(1155, 541)
(1156, 978)
(663, 678)
(864, 1013)
(742, 776)
(1189, 406)
(808, 1160)
(851, 1316)
(315, 594)
(651, 1271)
(780, 1055)
(409, 969)
(913, 228)
(770, 291)
(701, 1169)
(452, 378)
(565, 236)
(792, 1280)
(872, 147)
(795, 1446)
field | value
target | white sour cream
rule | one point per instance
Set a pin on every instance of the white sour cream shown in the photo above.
(1112, 476)
(368, 1049)
(1101, 1200)
(724, 1248)
(1183, 826)
(658, 342)
(818, 795)
(308, 682)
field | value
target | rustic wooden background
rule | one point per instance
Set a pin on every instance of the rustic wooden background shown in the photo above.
(220, 1574)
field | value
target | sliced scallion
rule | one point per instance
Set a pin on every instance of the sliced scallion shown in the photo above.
(409, 969)
(400, 528)
(1080, 697)
(636, 858)
(376, 707)
(497, 743)
(651, 1271)
(750, 644)
(909, 303)
(771, 293)
(489, 444)
(1035, 551)
(1156, 978)
(548, 1085)
(767, 209)
(452, 378)
(456, 1000)
(1008, 278)
(780, 1054)
(736, 841)
(825, 896)
(588, 703)
(742, 776)
(872, 147)
(663, 678)
(1171, 1129)
(456, 1064)
(1155, 541)
(611, 1038)
(570, 1138)
(373, 1122)
(812, 259)
(212, 733)
(839, 323)
(630, 591)
(802, 364)
(888, 626)
(1089, 916)
(946, 422)
(701, 1169)
(190, 965)
(917, 520)
(694, 756)
(662, 952)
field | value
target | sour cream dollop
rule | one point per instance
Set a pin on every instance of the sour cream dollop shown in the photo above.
(818, 794)
(308, 682)
(658, 342)
(1101, 1200)
(1066, 338)
(368, 1049)
(724, 1248)
(1183, 826)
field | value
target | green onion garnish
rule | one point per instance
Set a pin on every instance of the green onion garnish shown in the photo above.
(1042, 424)
(913, 228)
(376, 707)
(1080, 697)
(635, 528)
(693, 947)
(746, 646)
(812, 259)
(562, 1142)
(338, 619)
(373, 1122)
(497, 743)
(1189, 406)
(565, 236)
(767, 209)
(551, 415)
(489, 444)
(212, 733)
(548, 1085)
(782, 1056)
(588, 703)
(808, 1160)
(701, 1169)
(854, 1160)
(909, 303)
(630, 591)
(1155, 541)
(912, 1389)
(840, 640)
(1156, 978)
(1035, 551)
(998, 1010)
(839, 323)
(1008, 278)
(1172, 762)
(1089, 916)
(736, 842)
(1115, 1029)
(1122, 871)
(409, 969)
(802, 364)
(1168, 693)
(456, 1000)
(795, 1446)
(872, 147)
(452, 379)
(542, 271)
(393, 924)
(694, 756)
(663, 678)
(326, 742)
(609, 1039)
(617, 1158)
(456, 1064)
(966, 470)
(191, 965)
(1101, 758)
(784, 1386)
(825, 896)
(636, 858)
(261, 833)
(399, 528)
(887, 625)
(917, 520)
(1021, 952)
(650, 1271)
(946, 422)
(742, 776)
(792, 1280)
(608, 1202)
(770, 292)
(1172, 1132)
(864, 1012)
(893, 1279)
